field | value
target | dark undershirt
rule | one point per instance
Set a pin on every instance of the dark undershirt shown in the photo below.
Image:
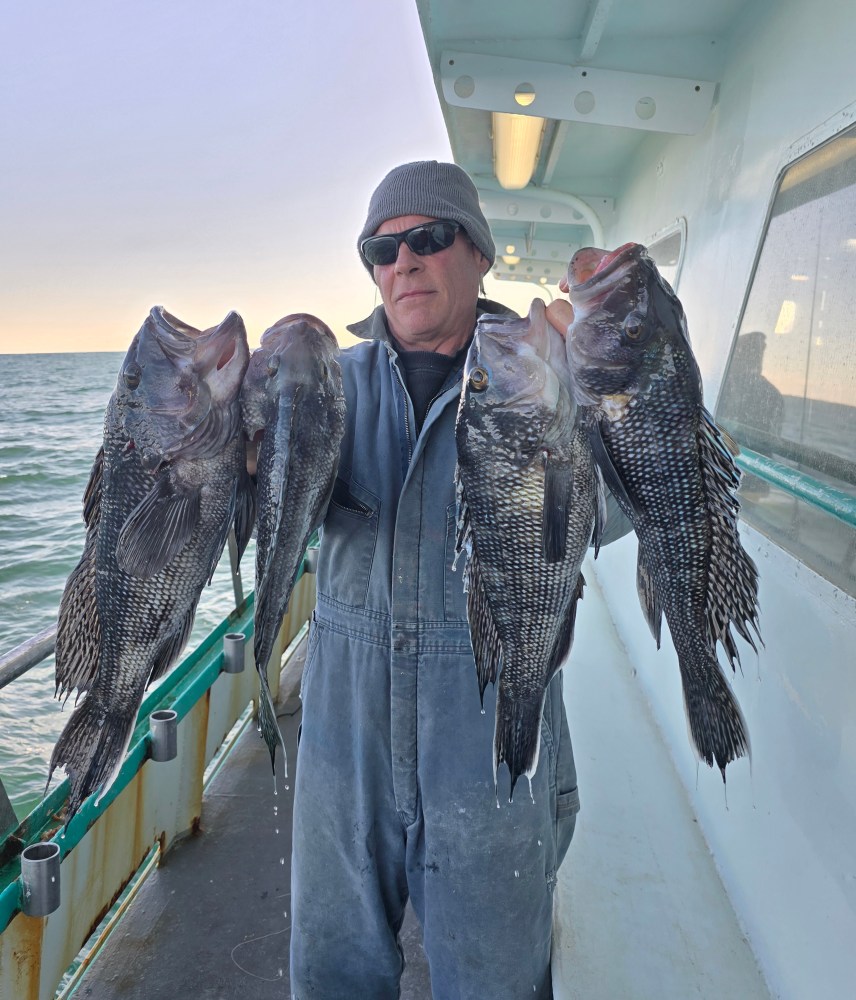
(424, 373)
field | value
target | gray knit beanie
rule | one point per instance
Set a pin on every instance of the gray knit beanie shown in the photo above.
(437, 190)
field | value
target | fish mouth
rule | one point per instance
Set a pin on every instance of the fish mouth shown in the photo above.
(591, 265)
(195, 417)
(528, 328)
(591, 268)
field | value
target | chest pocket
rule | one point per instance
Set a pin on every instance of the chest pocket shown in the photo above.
(349, 541)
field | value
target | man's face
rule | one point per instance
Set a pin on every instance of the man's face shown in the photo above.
(430, 302)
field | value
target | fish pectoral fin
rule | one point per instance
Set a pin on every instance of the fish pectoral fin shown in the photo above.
(605, 464)
(600, 511)
(652, 607)
(157, 529)
(558, 482)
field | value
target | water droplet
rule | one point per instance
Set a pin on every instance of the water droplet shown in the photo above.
(275, 810)
(282, 861)
(287, 788)
(539, 843)
(482, 711)
(517, 874)
(276, 829)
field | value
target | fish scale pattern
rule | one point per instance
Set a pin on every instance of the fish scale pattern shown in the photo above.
(674, 477)
(510, 438)
(293, 394)
(154, 539)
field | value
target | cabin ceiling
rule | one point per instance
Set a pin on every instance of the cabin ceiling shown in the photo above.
(591, 80)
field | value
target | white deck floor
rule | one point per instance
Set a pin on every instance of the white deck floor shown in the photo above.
(642, 913)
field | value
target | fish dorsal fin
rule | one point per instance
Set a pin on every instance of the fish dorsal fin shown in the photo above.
(78, 634)
(558, 482)
(158, 528)
(648, 596)
(732, 598)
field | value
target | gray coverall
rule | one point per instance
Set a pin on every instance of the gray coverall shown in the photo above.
(394, 790)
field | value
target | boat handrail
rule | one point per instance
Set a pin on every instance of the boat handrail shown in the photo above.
(38, 647)
(27, 655)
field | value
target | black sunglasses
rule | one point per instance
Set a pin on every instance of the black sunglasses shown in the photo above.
(424, 240)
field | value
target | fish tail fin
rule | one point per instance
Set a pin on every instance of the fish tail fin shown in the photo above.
(517, 738)
(268, 725)
(91, 749)
(716, 724)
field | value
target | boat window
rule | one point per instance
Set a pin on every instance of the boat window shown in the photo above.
(666, 249)
(789, 393)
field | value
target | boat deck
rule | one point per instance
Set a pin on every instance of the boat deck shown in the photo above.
(641, 911)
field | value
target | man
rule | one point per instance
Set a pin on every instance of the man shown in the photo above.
(394, 795)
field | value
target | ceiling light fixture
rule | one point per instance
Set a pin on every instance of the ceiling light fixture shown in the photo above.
(516, 144)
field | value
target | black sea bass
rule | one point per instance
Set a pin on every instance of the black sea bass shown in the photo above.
(528, 499)
(293, 397)
(167, 485)
(668, 466)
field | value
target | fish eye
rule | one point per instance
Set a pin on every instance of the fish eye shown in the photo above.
(132, 375)
(478, 380)
(633, 326)
(273, 364)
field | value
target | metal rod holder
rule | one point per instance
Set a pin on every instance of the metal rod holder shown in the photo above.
(163, 729)
(40, 893)
(310, 560)
(233, 653)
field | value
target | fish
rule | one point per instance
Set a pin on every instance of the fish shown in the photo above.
(529, 502)
(293, 400)
(167, 485)
(672, 472)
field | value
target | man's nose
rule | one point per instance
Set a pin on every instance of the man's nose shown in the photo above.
(407, 261)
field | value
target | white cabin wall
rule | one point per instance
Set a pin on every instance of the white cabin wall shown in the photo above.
(785, 838)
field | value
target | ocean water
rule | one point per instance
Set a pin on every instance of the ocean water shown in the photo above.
(51, 424)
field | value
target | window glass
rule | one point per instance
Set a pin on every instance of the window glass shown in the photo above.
(789, 392)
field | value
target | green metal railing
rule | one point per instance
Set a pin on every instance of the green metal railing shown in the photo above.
(836, 502)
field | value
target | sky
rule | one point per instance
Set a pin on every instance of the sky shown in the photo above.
(202, 155)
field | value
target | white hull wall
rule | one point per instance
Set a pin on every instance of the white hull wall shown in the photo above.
(785, 838)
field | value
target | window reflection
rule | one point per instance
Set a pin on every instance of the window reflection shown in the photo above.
(789, 392)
